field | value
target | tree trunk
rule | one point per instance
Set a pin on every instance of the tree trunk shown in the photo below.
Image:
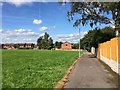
(117, 23)
(117, 30)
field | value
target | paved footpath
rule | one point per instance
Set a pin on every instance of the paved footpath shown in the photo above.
(89, 72)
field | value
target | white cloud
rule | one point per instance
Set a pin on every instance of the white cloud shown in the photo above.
(73, 38)
(15, 39)
(36, 21)
(7, 38)
(43, 28)
(0, 30)
(71, 35)
(42, 34)
(19, 36)
(18, 3)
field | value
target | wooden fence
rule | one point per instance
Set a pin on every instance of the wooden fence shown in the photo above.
(109, 52)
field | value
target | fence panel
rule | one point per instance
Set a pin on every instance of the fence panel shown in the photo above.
(109, 52)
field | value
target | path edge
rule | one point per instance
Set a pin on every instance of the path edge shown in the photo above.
(60, 84)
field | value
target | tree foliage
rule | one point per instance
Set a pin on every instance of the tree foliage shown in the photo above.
(58, 44)
(16, 46)
(96, 36)
(75, 46)
(94, 12)
(45, 42)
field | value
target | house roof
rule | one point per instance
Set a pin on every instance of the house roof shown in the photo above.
(21, 43)
(28, 43)
(8, 44)
(17, 43)
(25, 43)
(66, 42)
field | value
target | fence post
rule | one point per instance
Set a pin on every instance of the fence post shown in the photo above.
(110, 56)
(117, 60)
(100, 52)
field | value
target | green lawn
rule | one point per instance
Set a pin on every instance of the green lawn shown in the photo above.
(35, 68)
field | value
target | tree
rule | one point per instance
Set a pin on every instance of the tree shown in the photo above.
(45, 42)
(32, 45)
(96, 36)
(2, 46)
(46, 36)
(16, 46)
(86, 40)
(95, 12)
(75, 46)
(39, 42)
(58, 44)
(50, 43)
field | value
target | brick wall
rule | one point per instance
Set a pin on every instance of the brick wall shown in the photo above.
(66, 46)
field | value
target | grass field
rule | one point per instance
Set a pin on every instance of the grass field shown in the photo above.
(35, 68)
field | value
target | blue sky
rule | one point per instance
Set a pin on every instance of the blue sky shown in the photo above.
(25, 22)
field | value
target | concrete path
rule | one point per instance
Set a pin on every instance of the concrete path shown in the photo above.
(89, 72)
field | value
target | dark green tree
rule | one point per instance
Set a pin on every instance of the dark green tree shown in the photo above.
(39, 42)
(96, 36)
(50, 43)
(16, 46)
(46, 37)
(2, 46)
(32, 45)
(94, 13)
(75, 46)
(58, 44)
(45, 42)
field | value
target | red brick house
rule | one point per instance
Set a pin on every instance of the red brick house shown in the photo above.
(8, 46)
(26, 45)
(66, 46)
(21, 45)
(29, 45)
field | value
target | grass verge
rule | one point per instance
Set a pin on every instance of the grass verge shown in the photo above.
(35, 68)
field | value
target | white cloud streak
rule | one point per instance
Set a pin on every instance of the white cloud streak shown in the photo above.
(36, 21)
(43, 28)
(0, 30)
(29, 36)
(19, 3)
(19, 36)
(42, 34)
(72, 38)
